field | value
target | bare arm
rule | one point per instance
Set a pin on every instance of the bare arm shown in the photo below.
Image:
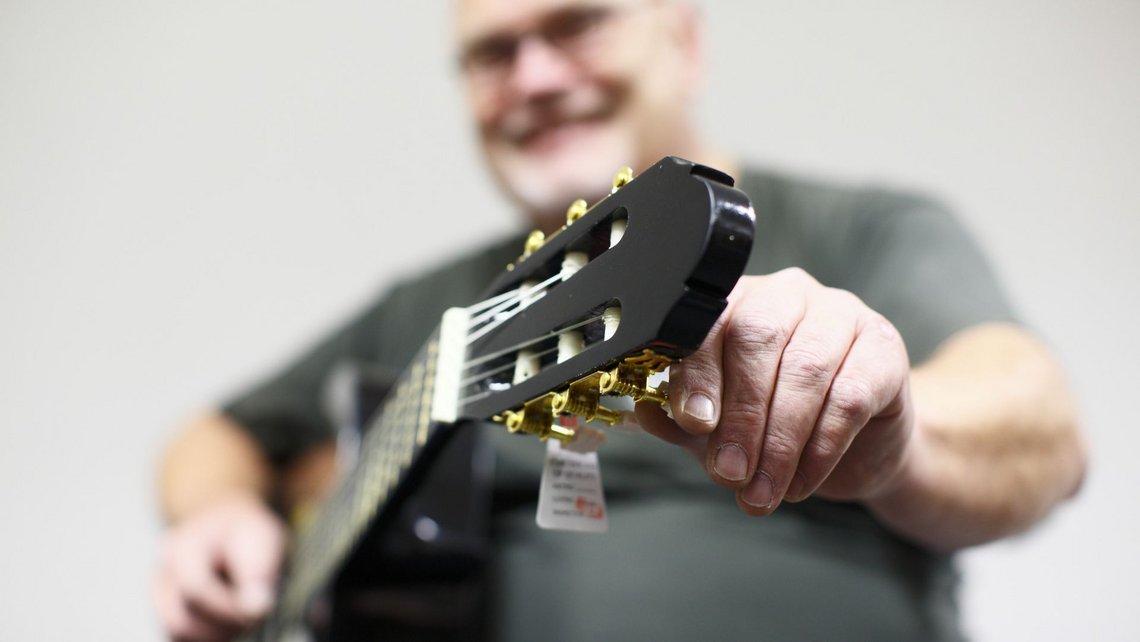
(995, 445)
(803, 390)
(224, 546)
(212, 457)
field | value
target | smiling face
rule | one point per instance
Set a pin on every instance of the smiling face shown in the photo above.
(566, 92)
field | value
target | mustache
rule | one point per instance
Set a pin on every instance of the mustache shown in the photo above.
(529, 119)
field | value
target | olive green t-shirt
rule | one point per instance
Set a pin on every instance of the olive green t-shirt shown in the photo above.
(680, 561)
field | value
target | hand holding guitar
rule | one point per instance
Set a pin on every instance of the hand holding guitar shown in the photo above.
(799, 389)
(219, 569)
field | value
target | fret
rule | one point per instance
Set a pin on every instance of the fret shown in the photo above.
(425, 399)
(395, 435)
(406, 445)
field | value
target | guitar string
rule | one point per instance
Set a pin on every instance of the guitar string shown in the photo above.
(467, 365)
(514, 297)
(485, 303)
(507, 366)
(487, 393)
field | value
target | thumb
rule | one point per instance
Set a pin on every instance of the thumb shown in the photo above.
(253, 555)
(654, 421)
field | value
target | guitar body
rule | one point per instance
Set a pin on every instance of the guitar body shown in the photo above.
(630, 284)
(420, 571)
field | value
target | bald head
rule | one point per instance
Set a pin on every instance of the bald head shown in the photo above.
(564, 92)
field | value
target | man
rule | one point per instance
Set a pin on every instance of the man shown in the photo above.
(802, 402)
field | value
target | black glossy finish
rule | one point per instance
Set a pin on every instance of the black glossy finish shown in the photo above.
(689, 236)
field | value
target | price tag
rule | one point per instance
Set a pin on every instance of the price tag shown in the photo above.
(570, 497)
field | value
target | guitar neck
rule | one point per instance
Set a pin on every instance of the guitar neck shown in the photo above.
(397, 435)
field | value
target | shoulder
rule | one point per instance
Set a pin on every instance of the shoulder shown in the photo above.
(828, 227)
(398, 322)
(460, 279)
(800, 196)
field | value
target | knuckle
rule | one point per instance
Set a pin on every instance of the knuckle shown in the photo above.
(754, 334)
(849, 403)
(693, 373)
(845, 297)
(828, 445)
(796, 275)
(741, 423)
(820, 458)
(806, 364)
(780, 449)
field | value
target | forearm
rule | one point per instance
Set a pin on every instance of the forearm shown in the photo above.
(213, 457)
(210, 458)
(995, 446)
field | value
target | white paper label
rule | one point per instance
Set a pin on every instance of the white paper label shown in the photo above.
(570, 497)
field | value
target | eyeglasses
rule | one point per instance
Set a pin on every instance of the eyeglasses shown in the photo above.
(576, 32)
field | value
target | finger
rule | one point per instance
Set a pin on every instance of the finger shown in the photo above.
(807, 367)
(652, 418)
(194, 571)
(252, 556)
(761, 323)
(864, 409)
(178, 620)
(695, 384)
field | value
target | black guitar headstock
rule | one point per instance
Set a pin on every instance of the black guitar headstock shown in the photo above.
(626, 286)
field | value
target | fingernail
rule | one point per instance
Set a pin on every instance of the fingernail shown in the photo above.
(731, 462)
(758, 493)
(796, 489)
(700, 407)
(256, 599)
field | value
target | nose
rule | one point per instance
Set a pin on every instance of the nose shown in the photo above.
(540, 68)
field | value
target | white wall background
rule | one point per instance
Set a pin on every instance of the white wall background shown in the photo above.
(189, 191)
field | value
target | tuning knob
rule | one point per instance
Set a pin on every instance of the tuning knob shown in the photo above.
(623, 176)
(536, 418)
(534, 240)
(630, 379)
(576, 210)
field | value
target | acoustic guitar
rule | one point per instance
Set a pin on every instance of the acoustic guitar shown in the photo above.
(627, 286)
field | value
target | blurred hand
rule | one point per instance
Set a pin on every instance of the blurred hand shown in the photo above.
(218, 572)
(799, 389)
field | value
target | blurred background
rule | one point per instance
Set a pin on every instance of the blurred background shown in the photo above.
(190, 192)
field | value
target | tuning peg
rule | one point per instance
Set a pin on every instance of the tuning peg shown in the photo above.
(582, 399)
(576, 210)
(536, 418)
(623, 176)
(631, 380)
(534, 240)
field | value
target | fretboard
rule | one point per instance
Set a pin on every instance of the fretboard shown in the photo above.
(396, 435)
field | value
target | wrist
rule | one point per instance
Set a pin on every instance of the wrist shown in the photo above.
(214, 498)
(911, 504)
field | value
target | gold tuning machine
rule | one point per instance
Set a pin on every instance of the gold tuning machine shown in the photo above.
(631, 378)
(583, 398)
(576, 210)
(536, 418)
(623, 176)
(534, 240)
